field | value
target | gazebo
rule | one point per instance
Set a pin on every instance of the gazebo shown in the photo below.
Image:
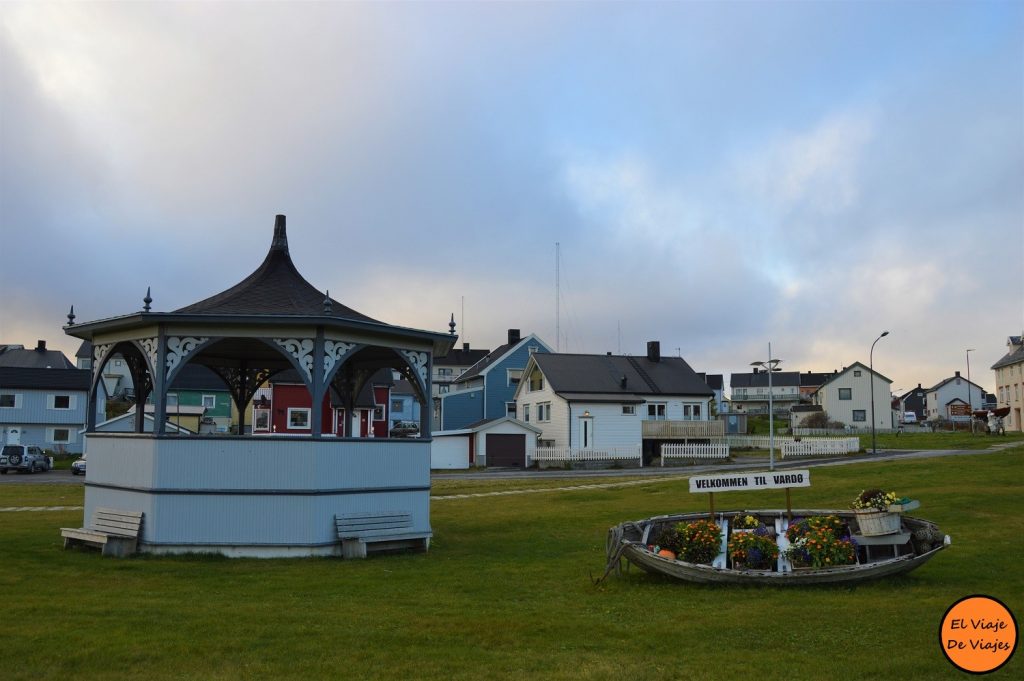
(259, 495)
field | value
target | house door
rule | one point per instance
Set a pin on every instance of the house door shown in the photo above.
(364, 423)
(339, 422)
(13, 436)
(586, 432)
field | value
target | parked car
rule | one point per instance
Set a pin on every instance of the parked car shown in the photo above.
(909, 417)
(78, 466)
(23, 458)
(405, 429)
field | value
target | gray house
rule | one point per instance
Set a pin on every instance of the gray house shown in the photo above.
(42, 399)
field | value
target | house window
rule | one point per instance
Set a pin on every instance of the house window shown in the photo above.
(118, 362)
(8, 400)
(544, 412)
(510, 409)
(536, 381)
(856, 373)
(261, 420)
(445, 372)
(534, 348)
(526, 413)
(209, 401)
(513, 376)
(61, 402)
(846, 393)
(298, 419)
(656, 411)
(396, 405)
(628, 409)
(859, 415)
(60, 435)
(442, 389)
(172, 399)
(378, 412)
(691, 412)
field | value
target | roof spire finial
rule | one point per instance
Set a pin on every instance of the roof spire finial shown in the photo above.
(147, 300)
(451, 325)
(71, 316)
(280, 241)
(328, 303)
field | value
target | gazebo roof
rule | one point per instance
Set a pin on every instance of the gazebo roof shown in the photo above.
(273, 294)
(275, 288)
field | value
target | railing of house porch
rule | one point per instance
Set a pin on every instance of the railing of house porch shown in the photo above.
(678, 430)
(573, 454)
(714, 450)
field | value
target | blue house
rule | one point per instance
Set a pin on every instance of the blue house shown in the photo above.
(43, 398)
(487, 389)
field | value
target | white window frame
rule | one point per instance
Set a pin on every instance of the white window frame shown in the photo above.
(213, 400)
(51, 401)
(172, 399)
(51, 435)
(379, 408)
(526, 413)
(629, 410)
(510, 409)
(397, 406)
(543, 412)
(256, 413)
(663, 416)
(299, 410)
(17, 401)
(863, 413)
(849, 394)
(513, 377)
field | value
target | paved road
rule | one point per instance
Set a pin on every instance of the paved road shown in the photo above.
(64, 477)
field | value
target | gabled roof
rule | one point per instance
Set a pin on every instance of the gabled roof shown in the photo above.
(812, 379)
(603, 374)
(952, 378)
(845, 370)
(713, 381)
(496, 355)
(486, 424)
(16, 356)
(461, 357)
(365, 399)
(760, 379)
(45, 379)
(1015, 355)
(131, 414)
(197, 377)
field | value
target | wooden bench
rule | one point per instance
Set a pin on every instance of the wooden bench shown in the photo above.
(392, 530)
(115, 533)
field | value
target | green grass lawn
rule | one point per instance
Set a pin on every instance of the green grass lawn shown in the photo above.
(939, 440)
(506, 592)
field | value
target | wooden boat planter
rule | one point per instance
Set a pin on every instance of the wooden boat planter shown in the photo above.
(877, 556)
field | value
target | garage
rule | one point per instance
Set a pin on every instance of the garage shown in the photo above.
(506, 450)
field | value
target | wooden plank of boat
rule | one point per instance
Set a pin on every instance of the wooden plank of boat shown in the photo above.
(624, 541)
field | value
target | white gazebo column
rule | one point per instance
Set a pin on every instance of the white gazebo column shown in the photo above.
(316, 388)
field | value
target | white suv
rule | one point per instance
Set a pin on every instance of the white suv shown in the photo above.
(23, 458)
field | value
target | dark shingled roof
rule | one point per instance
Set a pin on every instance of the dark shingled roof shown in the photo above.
(45, 379)
(714, 381)
(34, 358)
(197, 377)
(276, 287)
(603, 374)
(461, 358)
(1016, 353)
(760, 379)
(813, 379)
(482, 364)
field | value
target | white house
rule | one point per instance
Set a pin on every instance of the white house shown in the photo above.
(846, 397)
(590, 401)
(948, 399)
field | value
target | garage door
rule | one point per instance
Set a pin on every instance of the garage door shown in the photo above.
(506, 450)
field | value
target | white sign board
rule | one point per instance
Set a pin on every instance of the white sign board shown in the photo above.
(740, 482)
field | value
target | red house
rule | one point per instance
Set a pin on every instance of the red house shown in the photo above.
(285, 408)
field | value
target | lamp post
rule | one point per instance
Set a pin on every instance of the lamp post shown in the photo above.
(871, 368)
(970, 403)
(770, 366)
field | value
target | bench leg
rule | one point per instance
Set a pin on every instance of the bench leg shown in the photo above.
(353, 548)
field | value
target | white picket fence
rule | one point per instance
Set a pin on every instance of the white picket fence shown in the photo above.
(755, 441)
(572, 454)
(821, 447)
(803, 432)
(715, 450)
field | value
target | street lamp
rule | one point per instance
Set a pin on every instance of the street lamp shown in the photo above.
(871, 367)
(770, 366)
(970, 403)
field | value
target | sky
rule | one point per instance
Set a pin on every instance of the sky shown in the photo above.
(718, 176)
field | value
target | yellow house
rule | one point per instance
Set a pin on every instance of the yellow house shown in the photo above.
(1010, 383)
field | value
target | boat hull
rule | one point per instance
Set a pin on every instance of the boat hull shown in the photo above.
(627, 541)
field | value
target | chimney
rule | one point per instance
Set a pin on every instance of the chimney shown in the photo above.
(957, 373)
(609, 353)
(654, 351)
(41, 347)
(755, 370)
(513, 336)
(465, 346)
